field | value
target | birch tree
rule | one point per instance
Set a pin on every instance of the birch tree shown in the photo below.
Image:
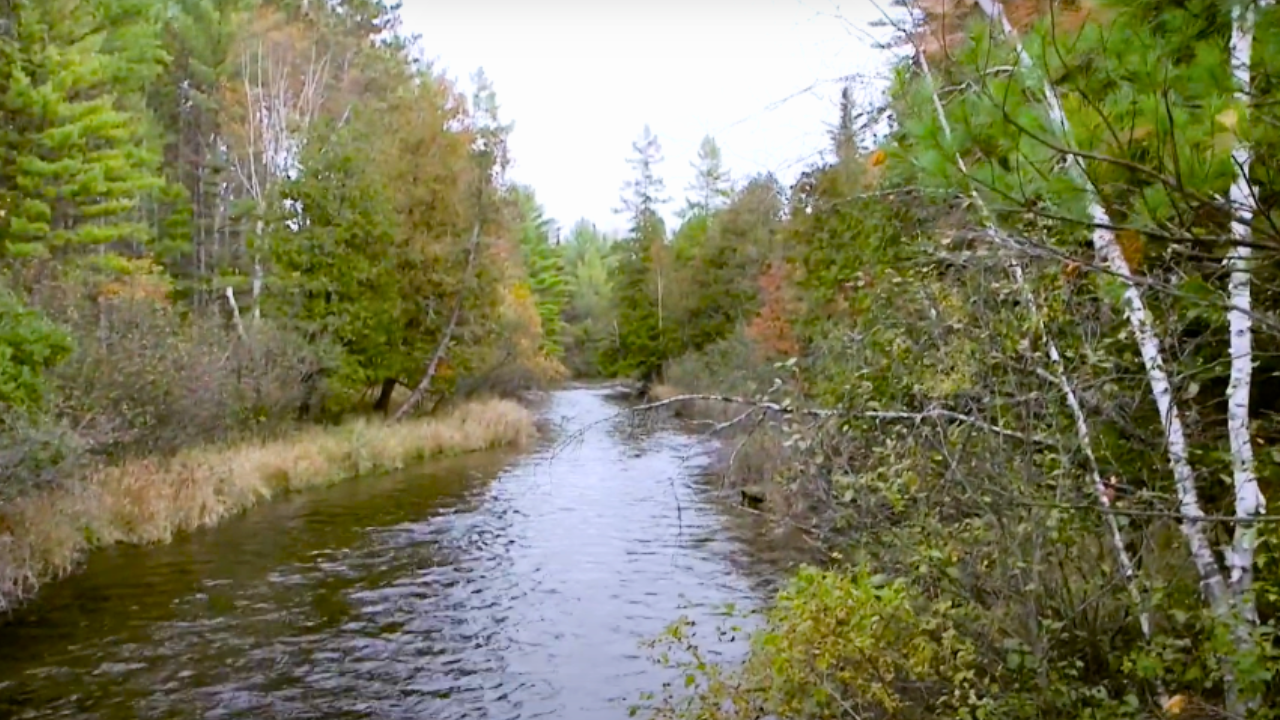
(284, 76)
(1058, 374)
(1249, 501)
(1229, 601)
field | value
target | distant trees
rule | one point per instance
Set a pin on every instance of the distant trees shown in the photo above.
(589, 318)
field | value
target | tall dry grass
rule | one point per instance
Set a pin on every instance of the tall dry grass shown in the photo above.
(43, 536)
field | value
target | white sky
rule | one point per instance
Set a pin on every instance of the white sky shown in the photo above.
(579, 80)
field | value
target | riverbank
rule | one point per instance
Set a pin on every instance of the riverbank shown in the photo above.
(750, 458)
(43, 536)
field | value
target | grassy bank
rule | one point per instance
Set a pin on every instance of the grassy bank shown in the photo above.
(44, 535)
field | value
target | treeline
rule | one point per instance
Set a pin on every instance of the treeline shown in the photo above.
(1021, 360)
(221, 217)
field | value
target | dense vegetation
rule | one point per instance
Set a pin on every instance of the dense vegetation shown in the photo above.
(1011, 363)
(219, 217)
(226, 227)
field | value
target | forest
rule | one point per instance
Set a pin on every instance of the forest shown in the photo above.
(1006, 355)
(233, 234)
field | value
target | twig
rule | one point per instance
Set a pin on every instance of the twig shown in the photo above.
(721, 427)
(1170, 514)
(733, 456)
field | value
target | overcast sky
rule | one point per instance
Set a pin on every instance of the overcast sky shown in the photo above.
(579, 80)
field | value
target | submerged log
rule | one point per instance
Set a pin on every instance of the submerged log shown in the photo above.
(753, 496)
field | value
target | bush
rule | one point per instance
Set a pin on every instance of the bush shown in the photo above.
(30, 344)
(833, 645)
(36, 454)
(93, 377)
(146, 380)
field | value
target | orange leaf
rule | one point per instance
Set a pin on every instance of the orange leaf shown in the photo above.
(1132, 246)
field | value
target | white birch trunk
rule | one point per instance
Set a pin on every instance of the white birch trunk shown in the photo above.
(235, 312)
(1059, 375)
(1105, 244)
(1212, 581)
(1249, 501)
(257, 289)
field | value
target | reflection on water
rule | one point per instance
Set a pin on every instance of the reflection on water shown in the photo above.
(491, 586)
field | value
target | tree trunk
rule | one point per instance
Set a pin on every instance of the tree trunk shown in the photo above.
(1249, 501)
(383, 403)
(420, 391)
(1213, 582)
(1059, 376)
(235, 313)
(310, 389)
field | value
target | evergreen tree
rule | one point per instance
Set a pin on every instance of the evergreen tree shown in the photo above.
(30, 345)
(711, 187)
(200, 232)
(543, 263)
(739, 244)
(643, 335)
(74, 163)
(844, 136)
(589, 315)
(644, 194)
(373, 244)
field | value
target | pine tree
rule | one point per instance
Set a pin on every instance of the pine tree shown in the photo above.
(73, 164)
(743, 238)
(199, 236)
(712, 186)
(543, 263)
(30, 344)
(643, 337)
(588, 315)
(844, 136)
(644, 194)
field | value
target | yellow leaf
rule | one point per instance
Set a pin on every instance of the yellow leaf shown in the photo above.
(879, 158)
(1141, 132)
(1133, 247)
(1224, 142)
(1175, 704)
(1228, 118)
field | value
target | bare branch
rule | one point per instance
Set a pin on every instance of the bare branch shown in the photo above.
(891, 415)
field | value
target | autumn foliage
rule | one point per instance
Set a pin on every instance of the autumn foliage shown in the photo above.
(772, 327)
(947, 21)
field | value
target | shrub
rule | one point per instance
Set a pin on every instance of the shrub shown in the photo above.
(30, 345)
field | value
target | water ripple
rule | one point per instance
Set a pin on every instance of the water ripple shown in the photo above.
(489, 587)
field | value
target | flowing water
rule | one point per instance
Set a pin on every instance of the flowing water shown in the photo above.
(498, 585)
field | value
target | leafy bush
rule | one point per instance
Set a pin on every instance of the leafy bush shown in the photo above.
(30, 345)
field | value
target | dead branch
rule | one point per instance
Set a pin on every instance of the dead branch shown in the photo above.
(894, 415)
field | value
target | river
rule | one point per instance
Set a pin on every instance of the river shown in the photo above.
(498, 585)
